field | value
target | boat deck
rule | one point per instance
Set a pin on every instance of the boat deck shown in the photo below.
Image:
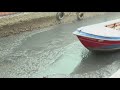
(106, 29)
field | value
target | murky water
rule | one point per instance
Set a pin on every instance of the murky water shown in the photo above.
(55, 52)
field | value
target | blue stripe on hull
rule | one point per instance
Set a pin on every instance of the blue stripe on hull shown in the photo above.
(106, 48)
(111, 46)
(80, 33)
(103, 49)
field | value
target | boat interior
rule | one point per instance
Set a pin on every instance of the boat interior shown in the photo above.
(115, 26)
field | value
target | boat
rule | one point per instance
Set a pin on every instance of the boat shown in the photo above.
(103, 36)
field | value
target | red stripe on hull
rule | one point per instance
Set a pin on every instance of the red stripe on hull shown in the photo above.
(95, 43)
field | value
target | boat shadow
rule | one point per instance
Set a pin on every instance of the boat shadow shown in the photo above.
(96, 60)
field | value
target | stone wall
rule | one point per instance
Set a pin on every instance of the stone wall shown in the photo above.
(6, 13)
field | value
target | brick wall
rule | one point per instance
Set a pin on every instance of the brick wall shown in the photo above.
(6, 13)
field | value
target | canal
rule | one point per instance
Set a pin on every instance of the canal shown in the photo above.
(56, 52)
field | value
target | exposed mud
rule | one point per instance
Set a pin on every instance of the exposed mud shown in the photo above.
(17, 23)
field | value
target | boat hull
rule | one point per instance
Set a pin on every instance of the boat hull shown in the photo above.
(100, 37)
(94, 44)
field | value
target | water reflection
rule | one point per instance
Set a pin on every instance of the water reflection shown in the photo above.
(94, 65)
(96, 61)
